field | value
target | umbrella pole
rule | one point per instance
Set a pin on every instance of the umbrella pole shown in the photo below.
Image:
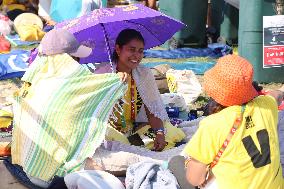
(108, 47)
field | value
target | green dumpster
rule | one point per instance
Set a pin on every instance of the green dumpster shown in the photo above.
(104, 3)
(225, 19)
(251, 38)
(230, 25)
(216, 18)
(191, 12)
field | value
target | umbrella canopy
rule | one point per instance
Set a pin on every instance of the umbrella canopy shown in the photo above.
(100, 28)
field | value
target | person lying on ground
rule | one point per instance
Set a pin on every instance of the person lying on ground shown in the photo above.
(240, 139)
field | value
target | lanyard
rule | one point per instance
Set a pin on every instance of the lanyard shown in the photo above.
(132, 100)
(236, 125)
(132, 104)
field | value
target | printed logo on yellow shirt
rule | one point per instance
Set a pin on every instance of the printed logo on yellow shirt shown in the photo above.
(258, 158)
(249, 122)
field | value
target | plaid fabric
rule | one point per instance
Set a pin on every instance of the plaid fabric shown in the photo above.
(61, 118)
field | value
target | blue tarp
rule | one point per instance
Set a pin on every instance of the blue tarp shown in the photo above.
(196, 67)
(13, 64)
(214, 50)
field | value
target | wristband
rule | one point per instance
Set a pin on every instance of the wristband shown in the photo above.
(160, 130)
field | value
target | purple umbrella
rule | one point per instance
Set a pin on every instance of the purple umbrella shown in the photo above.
(100, 28)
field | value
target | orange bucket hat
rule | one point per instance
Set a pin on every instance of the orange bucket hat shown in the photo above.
(229, 82)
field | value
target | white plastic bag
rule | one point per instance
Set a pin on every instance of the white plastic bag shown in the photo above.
(184, 82)
(5, 26)
(174, 100)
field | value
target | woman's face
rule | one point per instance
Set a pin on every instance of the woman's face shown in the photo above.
(130, 54)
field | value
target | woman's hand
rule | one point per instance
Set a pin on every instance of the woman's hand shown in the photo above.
(157, 124)
(209, 178)
(159, 142)
(123, 76)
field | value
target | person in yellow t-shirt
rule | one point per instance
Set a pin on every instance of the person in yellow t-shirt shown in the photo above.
(251, 158)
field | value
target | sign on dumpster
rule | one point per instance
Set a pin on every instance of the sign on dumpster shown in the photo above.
(273, 41)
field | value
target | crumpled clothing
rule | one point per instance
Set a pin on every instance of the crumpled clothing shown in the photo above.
(149, 175)
(30, 32)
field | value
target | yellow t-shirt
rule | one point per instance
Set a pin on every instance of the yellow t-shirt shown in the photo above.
(252, 158)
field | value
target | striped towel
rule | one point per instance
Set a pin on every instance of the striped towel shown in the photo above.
(62, 117)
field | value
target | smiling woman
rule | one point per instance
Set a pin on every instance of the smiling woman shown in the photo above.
(143, 116)
(128, 50)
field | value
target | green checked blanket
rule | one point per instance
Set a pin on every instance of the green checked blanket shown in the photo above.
(62, 117)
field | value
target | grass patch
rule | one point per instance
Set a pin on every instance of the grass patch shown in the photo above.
(28, 48)
(179, 60)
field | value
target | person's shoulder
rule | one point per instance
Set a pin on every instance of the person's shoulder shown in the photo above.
(144, 71)
(266, 100)
(143, 67)
(217, 120)
(210, 121)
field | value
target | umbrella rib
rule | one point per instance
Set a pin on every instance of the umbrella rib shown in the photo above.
(146, 29)
(108, 47)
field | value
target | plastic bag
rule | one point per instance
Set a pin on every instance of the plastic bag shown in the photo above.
(160, 80)
(184, 82)
(174, 100)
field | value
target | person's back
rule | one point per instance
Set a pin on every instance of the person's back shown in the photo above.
(251, 160)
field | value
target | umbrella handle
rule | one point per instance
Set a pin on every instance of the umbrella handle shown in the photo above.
(108, 47)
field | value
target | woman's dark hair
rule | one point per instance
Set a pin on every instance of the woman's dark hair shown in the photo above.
(124, 37)
(212, 107)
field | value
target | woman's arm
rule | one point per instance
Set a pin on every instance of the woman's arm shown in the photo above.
(157, 125)
(196, 172)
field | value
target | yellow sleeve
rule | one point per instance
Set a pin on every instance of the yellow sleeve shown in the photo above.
(269, 101)
(271, 107)
(203, 146)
